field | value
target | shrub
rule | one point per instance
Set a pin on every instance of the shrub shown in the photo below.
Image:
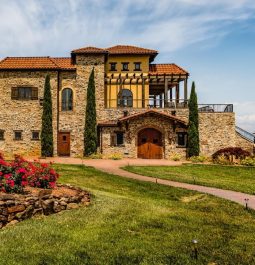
(16, 175)
(175, 157)
(230, 154)
(198, 159)
(96, 156)
(222, 160)
(248, 161)
(115, 157)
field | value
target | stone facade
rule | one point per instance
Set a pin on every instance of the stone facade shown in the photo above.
(217, 130)
(129, 149)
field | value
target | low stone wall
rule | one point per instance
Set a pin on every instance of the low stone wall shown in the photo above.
(17, 207)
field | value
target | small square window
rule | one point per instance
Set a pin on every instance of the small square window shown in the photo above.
(113, 66)
(137, 66)
(124, 66)
(182, 139)
(1, 135)
(17, 135)
(35, 135)
(120, 138)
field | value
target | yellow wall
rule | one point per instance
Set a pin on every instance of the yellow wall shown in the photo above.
(136, 88)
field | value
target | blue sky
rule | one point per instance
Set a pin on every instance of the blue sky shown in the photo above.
(213, 40)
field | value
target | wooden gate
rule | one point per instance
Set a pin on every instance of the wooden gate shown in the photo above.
(150, 144)
(64, 143)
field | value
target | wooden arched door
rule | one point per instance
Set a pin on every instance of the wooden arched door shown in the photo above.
(149, 144)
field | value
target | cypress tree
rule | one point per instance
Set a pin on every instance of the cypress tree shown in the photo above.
(47, 130)
(90, 130)
(193, 133)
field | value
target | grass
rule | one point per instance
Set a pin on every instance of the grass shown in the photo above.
(131, 222)
(235, 178)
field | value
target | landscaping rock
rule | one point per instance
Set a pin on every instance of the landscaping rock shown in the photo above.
(72, 206)
(16, 208)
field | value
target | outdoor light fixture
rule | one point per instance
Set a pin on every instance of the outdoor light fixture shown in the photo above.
(195, 250)
(246, 203)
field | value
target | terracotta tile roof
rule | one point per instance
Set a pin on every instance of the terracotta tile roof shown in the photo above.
(64, 63)
(91, 50)
(152, 112)
(21, 63)
(161, 69)
(28, 63)
(128, 49)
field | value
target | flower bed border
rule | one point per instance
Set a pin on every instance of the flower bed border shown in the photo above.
(15, 208)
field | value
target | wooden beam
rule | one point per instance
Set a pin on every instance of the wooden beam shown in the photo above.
(166, 92)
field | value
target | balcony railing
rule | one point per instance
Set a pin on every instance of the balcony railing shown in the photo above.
(147, 103)
(215, 107)
(249, 136)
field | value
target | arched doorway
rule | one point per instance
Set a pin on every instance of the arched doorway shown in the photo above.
(149, 144)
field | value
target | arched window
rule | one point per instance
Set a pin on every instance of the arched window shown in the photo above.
(125, 98)
(67, 99)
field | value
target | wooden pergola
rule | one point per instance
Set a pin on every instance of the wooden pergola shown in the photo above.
(162, 85)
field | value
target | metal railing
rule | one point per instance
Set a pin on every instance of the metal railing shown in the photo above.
(248, 136)
(215, 107)
(147, 103)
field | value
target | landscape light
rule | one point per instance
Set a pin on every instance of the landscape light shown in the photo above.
(246, 203)
(195, 250)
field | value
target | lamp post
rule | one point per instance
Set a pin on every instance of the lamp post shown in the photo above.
(195, 250)
(246, 203)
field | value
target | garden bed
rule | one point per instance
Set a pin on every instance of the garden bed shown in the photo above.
(34, 201)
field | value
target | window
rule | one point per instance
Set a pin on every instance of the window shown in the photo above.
(117, 139)
(120, 138)
(113, 66)
(182, 139)
(125, 98)
(24, 93)
(17, 135)
(137, 66)
(35, 135)
(67, 99)
(1, 135)
(125, 66)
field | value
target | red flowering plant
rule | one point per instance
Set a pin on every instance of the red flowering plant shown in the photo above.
(20, 173)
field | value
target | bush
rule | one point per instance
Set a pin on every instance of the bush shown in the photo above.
(248, 161)
(230, 154)
(115, 157)
(198, 159)
(16, 175)
(175, 157)
(96, 156)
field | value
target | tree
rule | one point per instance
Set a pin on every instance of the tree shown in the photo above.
(47, 130)
(193, 132)
(90, 130)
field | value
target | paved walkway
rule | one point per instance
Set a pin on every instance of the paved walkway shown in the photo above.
(113, 167)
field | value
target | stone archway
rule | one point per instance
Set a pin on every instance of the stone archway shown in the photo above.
(150, 145)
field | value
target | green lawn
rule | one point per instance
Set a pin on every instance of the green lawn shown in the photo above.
(224, 177)
(131, 222)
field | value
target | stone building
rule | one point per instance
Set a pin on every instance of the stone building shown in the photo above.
(141, 107)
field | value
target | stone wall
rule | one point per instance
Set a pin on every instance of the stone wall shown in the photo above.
(216, 131)
(17, 207)
(129, 149)
(74, 121)
(244, 144)
(24, 115)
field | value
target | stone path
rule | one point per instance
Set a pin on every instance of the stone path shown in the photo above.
(113, 167)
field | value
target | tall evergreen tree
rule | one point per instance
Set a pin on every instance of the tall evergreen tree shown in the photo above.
(90, 130)
(193, 132)
(47, 130)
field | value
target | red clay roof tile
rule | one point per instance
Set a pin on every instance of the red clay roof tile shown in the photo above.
(128, 49)
(161, 69)
(91, 50)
